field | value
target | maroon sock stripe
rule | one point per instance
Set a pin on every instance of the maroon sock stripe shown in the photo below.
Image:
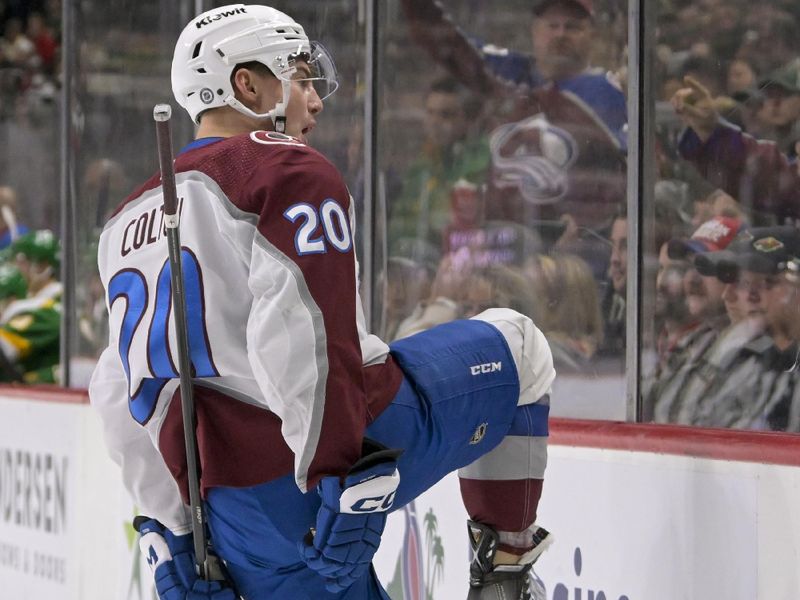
(504, 505)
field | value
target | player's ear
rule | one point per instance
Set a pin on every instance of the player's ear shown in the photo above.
(244, 84)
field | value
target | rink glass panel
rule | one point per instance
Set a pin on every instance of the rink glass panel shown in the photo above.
(446, 235)
(704, 363)
(491, 203)
(121, 70)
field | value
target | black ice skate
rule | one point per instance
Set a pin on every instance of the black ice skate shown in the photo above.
(488, 581)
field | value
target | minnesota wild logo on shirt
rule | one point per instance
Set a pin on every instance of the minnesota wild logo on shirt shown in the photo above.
(768, 244)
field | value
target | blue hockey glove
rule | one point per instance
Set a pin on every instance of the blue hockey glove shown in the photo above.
(351, 519)
(171, 558)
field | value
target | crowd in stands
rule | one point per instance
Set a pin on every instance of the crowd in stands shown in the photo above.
(729, 177)
(29, 106)
(29, 52)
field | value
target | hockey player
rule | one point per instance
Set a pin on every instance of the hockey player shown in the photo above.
(309, 429)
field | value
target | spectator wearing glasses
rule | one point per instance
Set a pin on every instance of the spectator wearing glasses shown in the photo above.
(762, 392)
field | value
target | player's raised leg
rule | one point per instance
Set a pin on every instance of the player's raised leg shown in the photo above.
(501, 489)
(475, 398)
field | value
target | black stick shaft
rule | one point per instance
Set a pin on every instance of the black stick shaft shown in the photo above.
(161, 114)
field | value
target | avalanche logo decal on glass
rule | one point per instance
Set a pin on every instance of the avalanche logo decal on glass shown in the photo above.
(533, 157)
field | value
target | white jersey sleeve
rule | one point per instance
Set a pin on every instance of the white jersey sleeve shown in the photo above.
(144, 472)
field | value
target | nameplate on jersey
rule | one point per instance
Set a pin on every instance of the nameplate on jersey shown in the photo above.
(269, 138)
(145, 228)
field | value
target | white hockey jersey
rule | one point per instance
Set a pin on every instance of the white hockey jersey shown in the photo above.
(286, 377)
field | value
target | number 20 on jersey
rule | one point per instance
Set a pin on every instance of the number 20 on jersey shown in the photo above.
(335, 227)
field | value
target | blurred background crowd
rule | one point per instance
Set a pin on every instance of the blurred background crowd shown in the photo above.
(500, 177)
(30, 65)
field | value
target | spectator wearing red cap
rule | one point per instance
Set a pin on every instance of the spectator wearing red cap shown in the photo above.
(705, 316)
(704, 293)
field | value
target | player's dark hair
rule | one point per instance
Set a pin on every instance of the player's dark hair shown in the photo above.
(252, 65)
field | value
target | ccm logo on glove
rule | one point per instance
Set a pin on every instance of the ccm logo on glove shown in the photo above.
(373, 495)
(155, 549)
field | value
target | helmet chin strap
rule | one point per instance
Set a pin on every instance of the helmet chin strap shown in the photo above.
(277, 114)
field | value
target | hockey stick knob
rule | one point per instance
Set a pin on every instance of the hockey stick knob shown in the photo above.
(162, 112)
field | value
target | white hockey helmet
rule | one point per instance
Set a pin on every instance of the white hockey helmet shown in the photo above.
(213, 43)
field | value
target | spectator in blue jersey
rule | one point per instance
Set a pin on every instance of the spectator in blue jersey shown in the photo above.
(562, 33)
(558, 149)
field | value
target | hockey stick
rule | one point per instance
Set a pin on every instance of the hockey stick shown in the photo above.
(161, 115)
